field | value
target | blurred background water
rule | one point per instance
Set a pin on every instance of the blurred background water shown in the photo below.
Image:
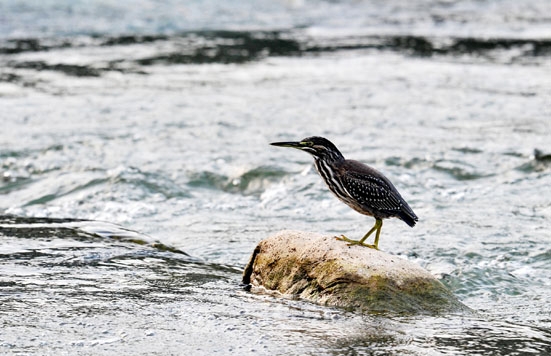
(136, 175)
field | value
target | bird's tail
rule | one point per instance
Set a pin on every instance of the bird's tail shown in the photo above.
(407, 215)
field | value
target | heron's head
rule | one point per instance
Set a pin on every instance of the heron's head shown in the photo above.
(319, 147)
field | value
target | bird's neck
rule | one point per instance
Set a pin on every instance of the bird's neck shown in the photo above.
(329, 160)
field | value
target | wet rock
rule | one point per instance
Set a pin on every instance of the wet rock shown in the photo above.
(324, 270)
(540, 156)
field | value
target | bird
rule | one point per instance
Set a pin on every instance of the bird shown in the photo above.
(358, 185)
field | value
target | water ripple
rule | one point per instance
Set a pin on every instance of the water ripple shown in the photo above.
(252, 182)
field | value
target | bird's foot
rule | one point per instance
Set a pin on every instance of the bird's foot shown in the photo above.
(354, 242)
(344, 238)
(362, 244)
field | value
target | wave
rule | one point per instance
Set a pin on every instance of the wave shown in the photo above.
(251, 182)
(236, 47)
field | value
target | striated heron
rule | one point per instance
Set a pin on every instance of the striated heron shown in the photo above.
(361, 187)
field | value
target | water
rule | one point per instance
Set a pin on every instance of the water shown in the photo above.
(149, 123)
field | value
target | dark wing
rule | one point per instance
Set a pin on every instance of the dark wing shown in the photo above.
(375, 192)
(372, 192)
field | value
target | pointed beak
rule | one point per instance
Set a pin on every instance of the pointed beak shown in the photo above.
(298, 145)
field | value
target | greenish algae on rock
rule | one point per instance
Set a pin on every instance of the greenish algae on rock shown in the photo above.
(324, 270)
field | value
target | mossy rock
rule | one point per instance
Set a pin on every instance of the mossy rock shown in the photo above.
(324, 270)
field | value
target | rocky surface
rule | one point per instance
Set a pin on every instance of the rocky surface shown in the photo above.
(324, 270)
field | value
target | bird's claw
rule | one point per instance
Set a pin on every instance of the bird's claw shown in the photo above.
(343, 238)
(351, 242)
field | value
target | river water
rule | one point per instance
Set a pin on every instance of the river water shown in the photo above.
(137, 175)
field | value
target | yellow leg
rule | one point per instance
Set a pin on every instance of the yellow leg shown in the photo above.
(378, 225)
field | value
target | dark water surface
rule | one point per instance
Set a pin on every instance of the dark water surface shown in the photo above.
(136, 175)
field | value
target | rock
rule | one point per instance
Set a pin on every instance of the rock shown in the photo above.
(540, 156)
(324, 270)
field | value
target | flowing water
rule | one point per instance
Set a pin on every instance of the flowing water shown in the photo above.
(136, 175)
